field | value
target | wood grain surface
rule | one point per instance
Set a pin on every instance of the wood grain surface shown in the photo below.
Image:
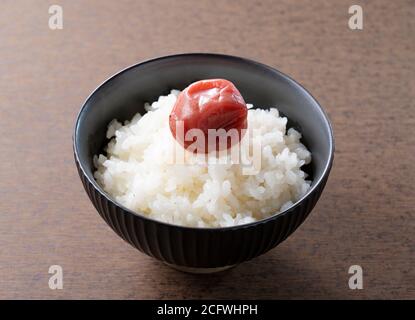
(364, 79)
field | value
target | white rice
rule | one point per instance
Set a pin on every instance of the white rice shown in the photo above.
(138, 173)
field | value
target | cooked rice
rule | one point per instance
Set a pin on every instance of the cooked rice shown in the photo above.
(139, 174)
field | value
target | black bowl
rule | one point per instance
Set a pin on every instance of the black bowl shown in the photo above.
(201, 249)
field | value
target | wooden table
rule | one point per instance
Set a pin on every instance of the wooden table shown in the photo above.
(364, 79)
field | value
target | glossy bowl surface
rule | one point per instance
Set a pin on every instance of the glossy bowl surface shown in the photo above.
(124, 94)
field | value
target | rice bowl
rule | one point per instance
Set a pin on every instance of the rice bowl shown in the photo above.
(199, 249)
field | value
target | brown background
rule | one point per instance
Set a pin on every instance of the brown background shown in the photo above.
(364, 79)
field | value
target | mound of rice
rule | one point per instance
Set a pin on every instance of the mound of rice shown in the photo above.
(139, 174)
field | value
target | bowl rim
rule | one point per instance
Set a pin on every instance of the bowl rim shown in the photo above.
(253, 224)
